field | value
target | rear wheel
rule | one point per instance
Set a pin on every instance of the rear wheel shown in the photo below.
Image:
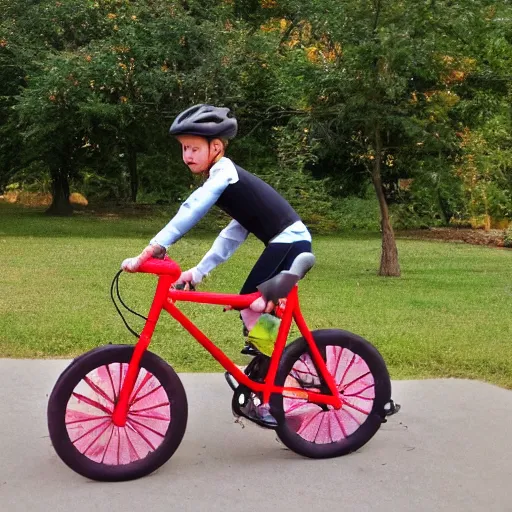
(363, 384)
(80, 415)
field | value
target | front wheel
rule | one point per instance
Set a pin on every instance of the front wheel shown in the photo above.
(364, 387)
(80, 415)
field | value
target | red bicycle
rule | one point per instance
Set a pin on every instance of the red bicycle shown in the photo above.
(119, 412)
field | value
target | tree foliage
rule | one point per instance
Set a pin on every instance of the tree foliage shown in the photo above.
(331, 95)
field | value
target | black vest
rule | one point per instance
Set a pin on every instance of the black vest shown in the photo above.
(257, 206)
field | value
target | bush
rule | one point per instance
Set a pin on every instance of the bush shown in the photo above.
(98, 188)
(354, 213)
(164, 179)
(321, 212)
(507, 237)
(33, 178)
(408, 216)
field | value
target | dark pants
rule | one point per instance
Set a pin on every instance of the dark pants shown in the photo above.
(274, 259)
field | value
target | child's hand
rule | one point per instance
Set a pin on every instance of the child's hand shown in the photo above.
(151, 251)
(251, 314)
(261, 306)
(130, 264)
(191, 276)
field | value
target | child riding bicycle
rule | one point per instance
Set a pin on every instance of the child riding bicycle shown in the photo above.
(203, 132)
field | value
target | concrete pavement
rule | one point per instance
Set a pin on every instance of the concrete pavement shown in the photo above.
(449, 449)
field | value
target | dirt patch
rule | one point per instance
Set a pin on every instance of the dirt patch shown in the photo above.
(493, 237)
(27, 198)
(39, 198)
(114, 210)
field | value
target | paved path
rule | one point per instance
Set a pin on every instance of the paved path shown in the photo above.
(449, 449)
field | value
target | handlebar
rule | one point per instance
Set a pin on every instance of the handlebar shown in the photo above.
(168, 267)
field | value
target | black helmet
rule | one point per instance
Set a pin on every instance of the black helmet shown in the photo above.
(206, 121)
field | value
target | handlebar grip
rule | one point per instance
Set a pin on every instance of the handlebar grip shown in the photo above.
(161, 267)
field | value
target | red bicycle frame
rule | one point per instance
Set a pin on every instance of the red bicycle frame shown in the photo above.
(165, 298)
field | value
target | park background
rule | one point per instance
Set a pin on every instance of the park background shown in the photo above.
(381, 122)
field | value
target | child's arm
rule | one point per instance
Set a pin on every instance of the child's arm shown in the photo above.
(195, 207)
(189, 214)
(228, 241)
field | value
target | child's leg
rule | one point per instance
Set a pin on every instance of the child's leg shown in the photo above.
(274, 259)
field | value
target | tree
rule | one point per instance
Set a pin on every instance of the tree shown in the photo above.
(384, 90)
(110, 76)
(369, 91)
(102, 83)
(11, 78)
(14, 64)
(42, 37)
(484, 118)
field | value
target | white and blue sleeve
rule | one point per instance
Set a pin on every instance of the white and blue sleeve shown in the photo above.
(228, 241)
(198, 203)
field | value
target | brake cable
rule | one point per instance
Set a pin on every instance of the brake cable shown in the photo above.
(115, 284)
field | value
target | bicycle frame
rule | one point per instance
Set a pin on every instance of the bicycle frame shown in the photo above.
(165, 298)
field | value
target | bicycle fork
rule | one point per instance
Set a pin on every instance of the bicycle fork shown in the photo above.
(120, 414)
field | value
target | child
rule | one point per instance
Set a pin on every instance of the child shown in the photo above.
(203, 131)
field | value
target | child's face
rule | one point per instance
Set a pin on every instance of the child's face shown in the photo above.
(197, 152)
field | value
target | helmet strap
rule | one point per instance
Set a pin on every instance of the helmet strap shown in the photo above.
(213, 160)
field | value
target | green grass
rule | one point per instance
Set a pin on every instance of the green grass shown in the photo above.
(449, 315)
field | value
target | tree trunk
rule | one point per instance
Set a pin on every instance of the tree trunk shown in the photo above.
(389, 265)
(134, 176)
(8, 166)
(60, 192)
(4, 177)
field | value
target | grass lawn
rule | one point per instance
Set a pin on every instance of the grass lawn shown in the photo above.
(449, 315)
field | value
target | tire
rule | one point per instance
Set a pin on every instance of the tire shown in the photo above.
(360, 373)
(82, 402)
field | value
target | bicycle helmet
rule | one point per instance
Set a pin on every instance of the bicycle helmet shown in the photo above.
(205, 121)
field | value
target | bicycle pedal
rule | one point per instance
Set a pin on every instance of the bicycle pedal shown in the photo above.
(249, 350)
(390, 409)
(241, 399)
(233, 384)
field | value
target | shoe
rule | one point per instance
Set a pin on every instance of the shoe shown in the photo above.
(260, 414)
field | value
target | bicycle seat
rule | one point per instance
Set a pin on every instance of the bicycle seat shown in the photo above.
(281, 285)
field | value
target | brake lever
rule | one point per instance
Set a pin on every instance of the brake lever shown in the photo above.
(181, 286)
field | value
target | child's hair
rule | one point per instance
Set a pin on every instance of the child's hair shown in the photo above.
(225, 142)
